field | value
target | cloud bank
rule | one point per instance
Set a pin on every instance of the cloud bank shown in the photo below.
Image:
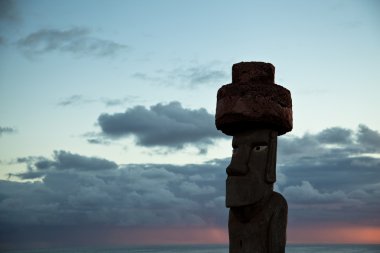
(327, 178)
(334, 171)
(79, 193)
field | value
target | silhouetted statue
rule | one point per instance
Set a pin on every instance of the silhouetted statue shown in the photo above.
(254, 110)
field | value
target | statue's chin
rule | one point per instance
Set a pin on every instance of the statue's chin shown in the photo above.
(243, 191)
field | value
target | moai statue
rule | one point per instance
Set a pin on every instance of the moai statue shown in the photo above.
(254, 110)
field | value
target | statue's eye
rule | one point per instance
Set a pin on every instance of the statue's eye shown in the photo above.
(259, 148)
(235, 150)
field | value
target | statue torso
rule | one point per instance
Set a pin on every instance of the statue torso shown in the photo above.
(260, 228)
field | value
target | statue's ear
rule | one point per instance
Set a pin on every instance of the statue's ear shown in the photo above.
(271, 159)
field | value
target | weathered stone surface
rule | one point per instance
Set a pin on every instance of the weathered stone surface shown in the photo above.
(255, 111)
(258, 215)
(259, 228)
(251, 172)
(253, 100)
(253, 72)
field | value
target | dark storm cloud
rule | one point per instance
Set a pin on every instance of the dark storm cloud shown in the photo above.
(134, 195)
(335, 135)
(77, 41)
(67, 160)
(330, 143)
(168, 125)
(332, 180)
(63, 160)
(331, 172)
(368, 138)
(6, 130)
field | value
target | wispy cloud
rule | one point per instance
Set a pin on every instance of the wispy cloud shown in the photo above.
(6, 130)
(199, 75)
(117, 101)
(76, 41)
(74, 100)
(77, 100)
(186, 77)
(166, 125)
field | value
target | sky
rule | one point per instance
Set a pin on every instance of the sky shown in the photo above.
(107, 132)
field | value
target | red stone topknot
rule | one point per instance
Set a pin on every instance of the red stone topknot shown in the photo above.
(253, 101)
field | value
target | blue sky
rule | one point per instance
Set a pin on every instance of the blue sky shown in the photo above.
(152, 68)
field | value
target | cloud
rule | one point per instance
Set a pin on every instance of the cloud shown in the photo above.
(145, 77)
(307, 194)
(62, 160)
(98, 140)
(117, 101)
(76, 100)
(199, 75)
(67, 160)
(76, 41)
(88, 191)
(321, 183)
(8, 11)
(194, 189)
(186, 77)
(335, 135)
(332, 172)
(369, 139)
(6, 130)
(329, 144)
(167, 125)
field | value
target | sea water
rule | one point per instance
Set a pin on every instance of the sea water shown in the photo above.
(207, 249)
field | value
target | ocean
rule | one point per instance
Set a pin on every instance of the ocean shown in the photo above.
(207, 249)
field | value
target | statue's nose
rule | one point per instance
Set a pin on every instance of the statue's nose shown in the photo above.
(239, 163)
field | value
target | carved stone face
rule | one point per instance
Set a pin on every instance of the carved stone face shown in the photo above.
(252, 170)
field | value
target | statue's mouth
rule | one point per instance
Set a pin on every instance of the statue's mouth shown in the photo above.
(243, 191)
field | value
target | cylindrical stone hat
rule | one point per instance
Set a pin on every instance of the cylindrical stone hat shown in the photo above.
(253, 101)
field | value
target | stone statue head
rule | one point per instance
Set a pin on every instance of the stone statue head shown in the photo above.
(254, 110)
(252, 170)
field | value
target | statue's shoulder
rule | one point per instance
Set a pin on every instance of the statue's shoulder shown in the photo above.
(279, 200)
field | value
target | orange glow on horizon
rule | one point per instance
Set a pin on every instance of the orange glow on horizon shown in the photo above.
(337, 234)
(168, 236)
(329, 234)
